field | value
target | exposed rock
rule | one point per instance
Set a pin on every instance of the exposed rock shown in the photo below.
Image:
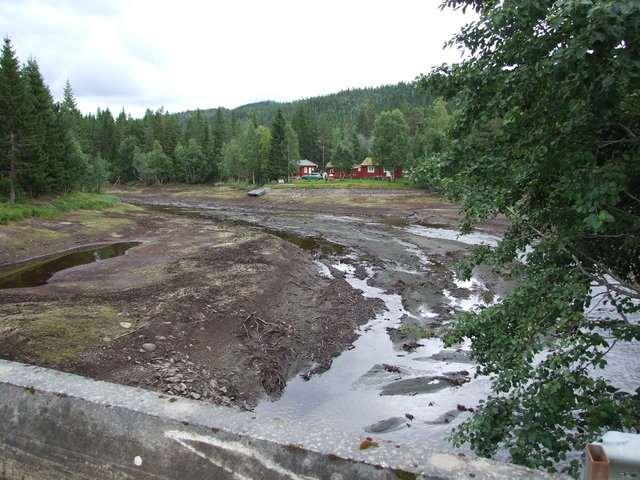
(445, 418)
(411, 346)
(455, 356)
(387, 425)
(149, 347)
(380, 374)
(415, 386)
(428, 384)
(391, 368)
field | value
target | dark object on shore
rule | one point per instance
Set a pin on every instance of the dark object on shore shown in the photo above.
(258, 192)
(391, 368)
(411, 346)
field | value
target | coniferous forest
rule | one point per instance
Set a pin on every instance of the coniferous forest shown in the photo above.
(49, 146)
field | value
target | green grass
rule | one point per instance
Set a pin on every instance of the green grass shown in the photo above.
(348, 183)
(70, 201)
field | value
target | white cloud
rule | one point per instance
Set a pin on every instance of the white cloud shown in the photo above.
(195, 53)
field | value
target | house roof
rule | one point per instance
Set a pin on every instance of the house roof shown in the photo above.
(306, 163)
(329, 165)
(368, 162)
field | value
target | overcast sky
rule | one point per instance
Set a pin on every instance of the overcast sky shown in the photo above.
(189, 53)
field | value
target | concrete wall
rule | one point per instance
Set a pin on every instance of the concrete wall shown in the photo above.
(56, 425)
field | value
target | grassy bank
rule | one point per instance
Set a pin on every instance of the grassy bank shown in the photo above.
(70, 201)
(348, 183)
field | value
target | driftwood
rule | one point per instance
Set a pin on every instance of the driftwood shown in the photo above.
(141, 326)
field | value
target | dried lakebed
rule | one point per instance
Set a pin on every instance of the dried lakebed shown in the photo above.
(304, 317)
(396, 380)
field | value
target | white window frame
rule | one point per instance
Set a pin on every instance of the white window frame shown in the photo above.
(371, 169)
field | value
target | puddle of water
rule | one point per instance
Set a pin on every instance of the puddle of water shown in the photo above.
(38, 272)
(351, 395)
(475, 238)
(309, 243)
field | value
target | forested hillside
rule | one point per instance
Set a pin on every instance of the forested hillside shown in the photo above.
(357, 106)
(49, 146)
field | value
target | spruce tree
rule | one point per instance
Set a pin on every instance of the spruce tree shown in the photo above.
(277, 166)
(293, 149)
(171, 132)
(250, 151)
(264, 151)
(358, 152)
(306, 128)
(105, 136)
(11, 109)
(194, 129)
(218, 137)
(71, 114)
(40, 164)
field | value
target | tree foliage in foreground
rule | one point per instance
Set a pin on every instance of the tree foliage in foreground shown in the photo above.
(548, 134)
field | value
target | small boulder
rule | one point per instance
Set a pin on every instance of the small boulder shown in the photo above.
(387, 425)
(149, 347)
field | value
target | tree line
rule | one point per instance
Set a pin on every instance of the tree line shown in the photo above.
(48, 146)
(41, 142)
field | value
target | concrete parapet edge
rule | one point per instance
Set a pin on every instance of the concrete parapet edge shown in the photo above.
(56, 425)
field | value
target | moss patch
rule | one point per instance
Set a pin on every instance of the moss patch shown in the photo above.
(59, 334)
(97, 222)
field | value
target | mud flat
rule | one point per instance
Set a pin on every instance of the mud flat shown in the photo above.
(397, 366)
(207, 310)
(395, 207)
(322, 308)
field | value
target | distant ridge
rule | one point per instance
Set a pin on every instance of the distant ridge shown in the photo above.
(336, 106)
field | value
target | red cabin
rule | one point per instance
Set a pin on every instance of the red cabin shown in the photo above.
(369, 169)
(306, 167)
